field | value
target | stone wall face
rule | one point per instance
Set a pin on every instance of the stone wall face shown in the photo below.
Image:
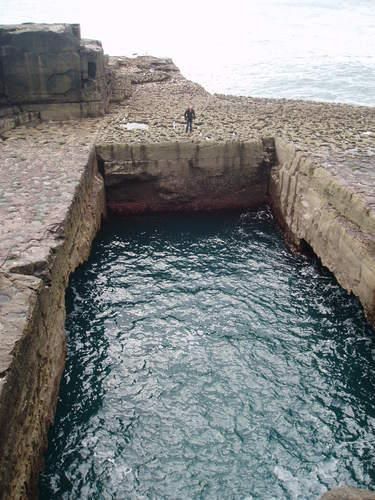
(95, 88)
(33, 308)
(12, 116)
(50, 70)
(313, 206)
(184, 176)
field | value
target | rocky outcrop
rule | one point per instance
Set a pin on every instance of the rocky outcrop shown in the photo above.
(52, 197)
(121, 80)
(11, 117)
(347, 493)
(316, 207)
(185, 176)
(129, 71)
(32, 351)
(50, 70)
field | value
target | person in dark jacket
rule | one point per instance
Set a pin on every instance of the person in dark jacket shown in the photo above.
(189, 117)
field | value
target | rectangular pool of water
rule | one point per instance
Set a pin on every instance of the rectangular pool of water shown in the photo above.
(207, 361)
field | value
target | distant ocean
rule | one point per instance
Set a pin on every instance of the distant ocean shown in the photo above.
(306, 49)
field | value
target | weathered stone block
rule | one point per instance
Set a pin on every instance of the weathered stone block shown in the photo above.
(40, 63)
(47, 67)
(94, 86)
(184, 176)
(316, 207)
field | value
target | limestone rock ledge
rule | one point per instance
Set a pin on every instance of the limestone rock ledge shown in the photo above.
(49, 70)
(32, 354)
(184, 176)
(347, 493)
(316, 207)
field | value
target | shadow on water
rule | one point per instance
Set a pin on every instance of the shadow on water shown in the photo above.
(204, 361)
(81, 389)
(357, 372)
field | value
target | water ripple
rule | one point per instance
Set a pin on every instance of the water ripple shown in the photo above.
(206, 361)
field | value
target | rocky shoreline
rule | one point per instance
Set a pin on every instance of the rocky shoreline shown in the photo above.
(313, 162)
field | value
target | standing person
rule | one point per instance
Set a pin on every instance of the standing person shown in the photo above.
(189, 117)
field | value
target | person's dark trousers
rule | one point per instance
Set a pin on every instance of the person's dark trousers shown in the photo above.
(189, 125)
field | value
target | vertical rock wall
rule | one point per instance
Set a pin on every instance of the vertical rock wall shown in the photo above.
(50, 70)
(309, 202)
(33, 300)
(184, 176)
(313, 206)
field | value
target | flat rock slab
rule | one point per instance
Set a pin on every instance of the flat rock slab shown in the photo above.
(338, 137)
(40, 169)
(347, 493)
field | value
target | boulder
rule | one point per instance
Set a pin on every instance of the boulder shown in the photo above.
(44, 67)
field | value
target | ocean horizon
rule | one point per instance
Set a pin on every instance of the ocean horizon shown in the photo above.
(297, 49)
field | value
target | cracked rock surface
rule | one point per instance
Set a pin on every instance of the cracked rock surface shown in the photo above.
(338, 137)
(44, 166)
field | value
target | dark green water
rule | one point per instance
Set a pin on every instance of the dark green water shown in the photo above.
(206, 361)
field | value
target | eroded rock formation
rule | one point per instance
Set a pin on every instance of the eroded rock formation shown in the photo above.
(322, 185)
(316, 207)
(52, 192)
(50, 70)
(54, 221)
(184, 177)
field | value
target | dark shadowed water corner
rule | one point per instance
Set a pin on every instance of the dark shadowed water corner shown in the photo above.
(207, 361)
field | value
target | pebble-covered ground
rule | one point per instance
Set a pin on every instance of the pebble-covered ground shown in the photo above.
(337, 136)
(40, 169)
(41, 165)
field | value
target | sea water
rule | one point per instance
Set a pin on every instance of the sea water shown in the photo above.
(204, 359)
(207, 361)
(297, 49)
